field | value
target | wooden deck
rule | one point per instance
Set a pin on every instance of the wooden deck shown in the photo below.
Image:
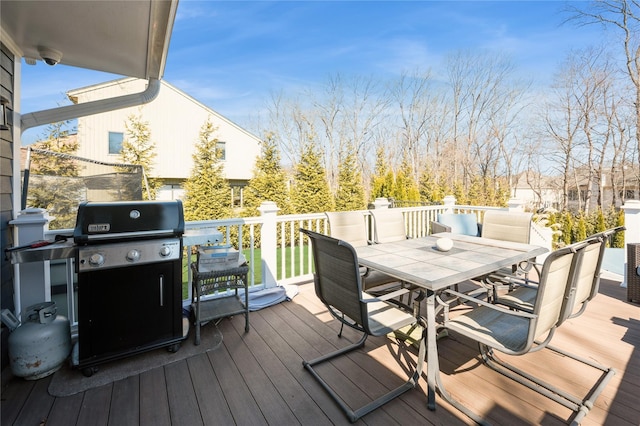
(258, 378)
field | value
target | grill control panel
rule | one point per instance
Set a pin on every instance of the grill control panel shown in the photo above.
(117, 255)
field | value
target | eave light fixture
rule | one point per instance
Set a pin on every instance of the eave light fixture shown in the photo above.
(5, 119)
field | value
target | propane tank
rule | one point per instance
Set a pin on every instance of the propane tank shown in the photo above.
(40, 345)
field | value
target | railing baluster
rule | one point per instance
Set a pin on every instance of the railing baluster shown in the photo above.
(288, 238)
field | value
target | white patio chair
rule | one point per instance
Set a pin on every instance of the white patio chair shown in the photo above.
(506, 226)
(519, 332)
(388, 225)
(350, 226)
(587, 279)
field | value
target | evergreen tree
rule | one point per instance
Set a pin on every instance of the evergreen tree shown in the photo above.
(618, 237)
(475, 194)
(138, 148)
(401, 185)
(269, 181)
(581, 229)
(600, 221)
(58, 140)
(382, 180)
(350, 193)
(54, 185)
(567, 228)
(207, 192)
(430, 191)
(459, 193)
(405, 187)
(311, 191)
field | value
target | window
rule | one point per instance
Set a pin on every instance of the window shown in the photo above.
(629, 194)
(575, 195)
(115, 142)
(222, 149)
(237, 196)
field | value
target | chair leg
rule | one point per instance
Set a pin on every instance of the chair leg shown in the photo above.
(354, 415)
(580, 406)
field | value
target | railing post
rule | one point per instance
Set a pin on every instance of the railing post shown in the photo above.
(515, 205)
(381, 203)
(32, 281)
(632, 233)
(449, 201)
(268, 243)
(631, 221)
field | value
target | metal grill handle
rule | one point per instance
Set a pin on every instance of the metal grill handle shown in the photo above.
(161, 290)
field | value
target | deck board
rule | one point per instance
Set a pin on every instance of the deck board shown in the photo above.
(94, 410)
(36, 408)
(293, 393)
(211, 400)
(244, 408)
(125, 402)
(258, 378)
(154, 401)
(65, 410)
(183, 403)
(272, 405)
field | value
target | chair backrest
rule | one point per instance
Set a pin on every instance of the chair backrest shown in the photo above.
(587, 277)
(388, 225)
(588, 271)
(349, 226)
(507, 226)
(556, 282)
(337, 278)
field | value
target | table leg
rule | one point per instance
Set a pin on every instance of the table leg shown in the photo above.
(432, 350)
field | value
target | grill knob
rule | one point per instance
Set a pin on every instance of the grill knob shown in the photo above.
(165, 251)
(96, 259)
(133, 255)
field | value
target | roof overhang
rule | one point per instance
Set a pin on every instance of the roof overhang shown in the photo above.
(129, 38)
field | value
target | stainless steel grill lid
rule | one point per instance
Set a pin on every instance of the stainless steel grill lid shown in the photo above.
(125, 220)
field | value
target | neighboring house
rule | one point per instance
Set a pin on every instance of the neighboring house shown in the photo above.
(539, 191)
(626, 188)
(175, 120)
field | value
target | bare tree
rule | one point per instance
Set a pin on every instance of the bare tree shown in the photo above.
(623, 16)
(484, 104)
(412, 95)
(562, 124)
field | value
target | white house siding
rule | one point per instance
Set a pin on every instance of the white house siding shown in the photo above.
(175, 120)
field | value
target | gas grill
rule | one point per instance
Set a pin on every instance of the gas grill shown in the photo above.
(129, 265)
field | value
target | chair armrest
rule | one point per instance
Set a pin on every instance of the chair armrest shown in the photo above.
(386, 296)
(484, 303)
(499, 278)
(437, 227)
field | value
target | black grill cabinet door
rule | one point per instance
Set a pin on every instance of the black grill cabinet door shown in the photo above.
(129, 309)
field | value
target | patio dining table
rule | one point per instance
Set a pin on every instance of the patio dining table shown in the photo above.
(417, 261)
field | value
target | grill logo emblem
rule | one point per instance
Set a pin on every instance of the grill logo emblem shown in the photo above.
(99, 227)
(134, 214)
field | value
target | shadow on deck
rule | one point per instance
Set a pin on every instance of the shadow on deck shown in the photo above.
(258, 378)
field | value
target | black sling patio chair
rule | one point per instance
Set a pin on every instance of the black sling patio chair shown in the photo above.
(338, 284)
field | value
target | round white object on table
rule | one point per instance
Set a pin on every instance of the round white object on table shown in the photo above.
(444, 244)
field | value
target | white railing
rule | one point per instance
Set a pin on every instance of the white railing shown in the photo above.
(272, 244)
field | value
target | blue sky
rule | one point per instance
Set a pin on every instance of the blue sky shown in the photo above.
(231, 55)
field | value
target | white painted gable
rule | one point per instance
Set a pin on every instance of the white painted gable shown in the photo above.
(175, 120)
